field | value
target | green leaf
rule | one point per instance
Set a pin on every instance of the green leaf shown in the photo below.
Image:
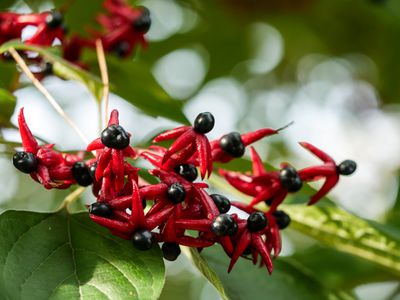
(208, 273)
(4, 4)
(60, 256)
(8, 74)
(333, 270)
(77, 17)
(247, 281)
(336, 228)
(7, 105)
(61, 67)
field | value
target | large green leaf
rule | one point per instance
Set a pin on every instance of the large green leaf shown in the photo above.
(61, 256)
(247, 281)
(61, 67)
(7, 105)
(336, 228)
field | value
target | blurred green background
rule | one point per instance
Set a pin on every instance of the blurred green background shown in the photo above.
(332, 67)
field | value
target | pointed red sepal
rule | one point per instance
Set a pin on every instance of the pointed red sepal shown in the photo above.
(159, 217)
(194, 242)
(330, 182)
(114, 120)
(171, 134)
(169, 232)
(251, 137)
(121, 215)
(317, 172)
(180, 157)
(181, 142)
(95, 145)
(154, 159)
(190, 224)
(204, 154)
(258, 166)
(243, 206)
(241, 245)
(275, 237)
(226, 244)
(239, 181)
(129, 152)
(153, 191)
(137, 215)
(266, 194)
(112, 224)
(29, 143)
(103, 162)
(258, 243)
(123, 202)
(208, 203)
(317, 152)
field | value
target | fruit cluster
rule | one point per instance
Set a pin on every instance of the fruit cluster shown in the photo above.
(122, 29)
(176, 209)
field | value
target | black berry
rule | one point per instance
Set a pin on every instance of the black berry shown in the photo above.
(204, 123)
(223, 225)
(189, 172)
(268, 202)
(223, 204)
(247, 251)
(176, 193)
(232, 144)
(92, 169)
(256, 221)
(122, 49)
(143, 22)
(290, 179)
(25, 162)
(347, 167)
(81, 173)
(48, 68)
(114, 136)
(54, 19)
(142, 240)
(170, 251)
(282, 219)
(100, 209)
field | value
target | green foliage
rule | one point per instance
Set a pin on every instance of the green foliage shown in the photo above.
(208, 273)
(62, 256)
(7, 105)
(336, 228)
(61, 67)
(249, 282)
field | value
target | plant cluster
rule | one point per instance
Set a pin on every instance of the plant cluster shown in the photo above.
(122, 28)
(182, 212)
